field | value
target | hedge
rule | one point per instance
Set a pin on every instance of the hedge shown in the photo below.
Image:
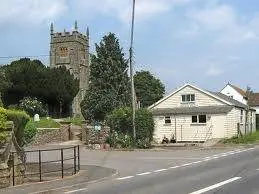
(120, 122)
(3, 118)
(20, 119)
(29, 132)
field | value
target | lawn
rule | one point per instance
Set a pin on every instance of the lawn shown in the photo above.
(47, 123)
(75, 120)
(246, 139)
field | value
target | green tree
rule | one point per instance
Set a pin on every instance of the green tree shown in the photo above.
(62, 87)
(27, 79)
(120, 122)
(4, 84)
(30, 78)
(109, 81)
(148, 88)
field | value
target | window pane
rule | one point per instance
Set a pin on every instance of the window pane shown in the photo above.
(202, 118)
(192, 97)
(183, 98)
(194, 119)
(188, 98)
(167, 119)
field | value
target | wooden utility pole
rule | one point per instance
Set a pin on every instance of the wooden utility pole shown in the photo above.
(131, 71)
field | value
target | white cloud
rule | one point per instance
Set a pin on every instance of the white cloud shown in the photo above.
(213, 71)
(222, 22)
(30, 11)
(214, 18)
(122, 9)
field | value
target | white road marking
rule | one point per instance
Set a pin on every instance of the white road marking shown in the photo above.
(74, 191)
(144, 173)
(197, 162)
(173, 167)
(123, 178)
(206, 159)
(167, 158)
(187, 164)
(215, 186)
(160, 170)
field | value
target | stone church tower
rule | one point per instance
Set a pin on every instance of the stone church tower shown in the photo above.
(71, 49)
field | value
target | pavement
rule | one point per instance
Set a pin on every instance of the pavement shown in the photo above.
(179, 171)
(87, 174)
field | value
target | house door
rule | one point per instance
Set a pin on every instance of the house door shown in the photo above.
(216, 127)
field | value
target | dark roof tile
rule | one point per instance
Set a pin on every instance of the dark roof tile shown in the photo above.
(193, 110)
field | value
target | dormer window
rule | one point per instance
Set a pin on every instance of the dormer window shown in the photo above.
(188, 98)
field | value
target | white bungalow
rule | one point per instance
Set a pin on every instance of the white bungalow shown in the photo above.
(191, 114)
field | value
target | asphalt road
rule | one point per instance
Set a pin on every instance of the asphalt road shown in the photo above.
(232, 171)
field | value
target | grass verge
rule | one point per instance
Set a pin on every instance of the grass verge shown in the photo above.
(74, 120)
(245, 139)
(47, 123)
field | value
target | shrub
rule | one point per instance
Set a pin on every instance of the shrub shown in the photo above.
(33, 106)
(29, 132)
(144, 128)
(1, 102)
(120, 121)
(3, 117)
(14, 107)
(123, 140)
(20, 119)
(3, 137)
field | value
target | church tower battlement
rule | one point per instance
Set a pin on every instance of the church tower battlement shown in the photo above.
(71, 49)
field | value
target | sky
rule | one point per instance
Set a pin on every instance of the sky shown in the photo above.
(207, 43)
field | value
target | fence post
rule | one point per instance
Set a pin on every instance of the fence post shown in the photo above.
(40, 165)
(74, 159)
(13, 169)
(62, 163)
(78, 157)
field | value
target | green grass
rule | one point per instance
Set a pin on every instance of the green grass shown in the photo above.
(75, 120)
(47, 123)
(246, 139)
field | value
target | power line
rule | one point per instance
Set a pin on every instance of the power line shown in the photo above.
(32, 56)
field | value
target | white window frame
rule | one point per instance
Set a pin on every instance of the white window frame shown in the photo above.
(167, 118)
(198, 119)
(185, 96)
(241, 116)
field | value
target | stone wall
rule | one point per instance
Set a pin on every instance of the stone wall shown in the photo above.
(93, 136)
(12, 159)
(51, 135)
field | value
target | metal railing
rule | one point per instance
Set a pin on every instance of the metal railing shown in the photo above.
(42, 165)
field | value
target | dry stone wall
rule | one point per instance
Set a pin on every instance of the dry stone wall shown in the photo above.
(93, 136)
(53, 135)
(12, 159)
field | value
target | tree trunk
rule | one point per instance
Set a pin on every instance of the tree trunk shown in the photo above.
(60, 109)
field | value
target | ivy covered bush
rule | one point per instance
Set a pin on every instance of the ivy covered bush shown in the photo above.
(20, 119)
(120, 122)
(3, 133)
(3, 118)
(33, 106)
(29, 132)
